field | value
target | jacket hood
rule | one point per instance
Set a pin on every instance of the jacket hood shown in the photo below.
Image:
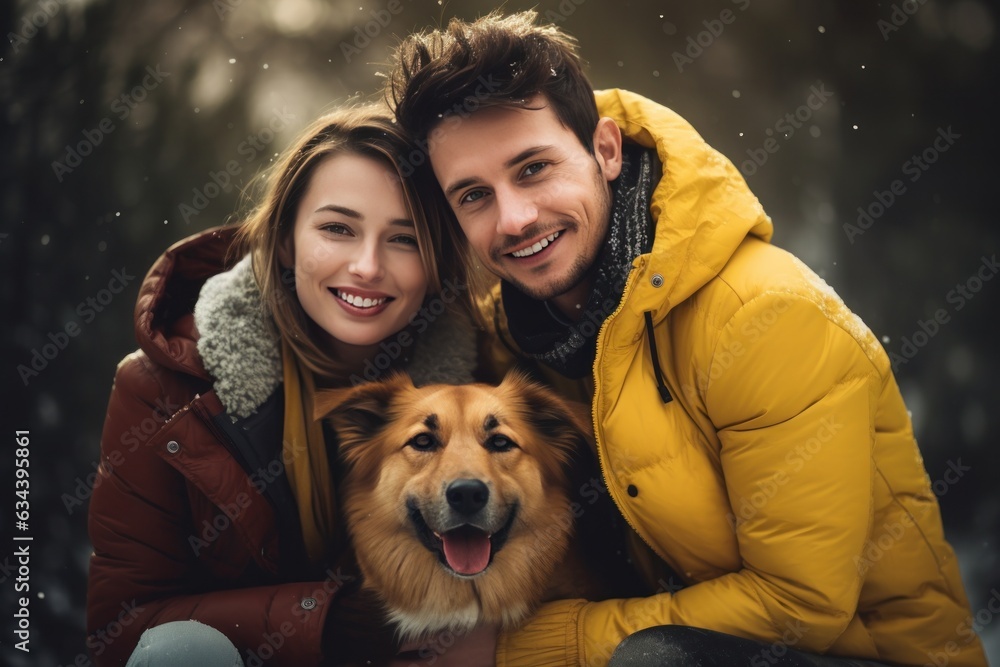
(164, 309)
(703, 206)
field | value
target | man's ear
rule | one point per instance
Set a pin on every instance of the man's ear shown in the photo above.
(608, 148)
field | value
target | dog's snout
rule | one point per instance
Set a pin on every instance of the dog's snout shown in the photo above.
(467, 496)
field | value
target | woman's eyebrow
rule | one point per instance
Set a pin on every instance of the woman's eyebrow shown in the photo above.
(343, 210)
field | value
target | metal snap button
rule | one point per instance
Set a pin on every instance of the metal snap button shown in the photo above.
(308, 603)
(656, 280)
(173, 447)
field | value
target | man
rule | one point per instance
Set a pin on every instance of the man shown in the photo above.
(748, 424)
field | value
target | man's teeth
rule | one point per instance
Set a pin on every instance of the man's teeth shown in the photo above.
(360, 302)
(528, 252)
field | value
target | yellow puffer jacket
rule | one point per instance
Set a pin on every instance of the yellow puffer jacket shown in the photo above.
(781, 479)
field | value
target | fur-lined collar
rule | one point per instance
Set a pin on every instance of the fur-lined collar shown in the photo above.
(240, 348)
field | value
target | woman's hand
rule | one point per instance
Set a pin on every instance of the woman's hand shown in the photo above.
(447, 649)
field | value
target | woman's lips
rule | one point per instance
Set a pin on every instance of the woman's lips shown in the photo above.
(361, 302)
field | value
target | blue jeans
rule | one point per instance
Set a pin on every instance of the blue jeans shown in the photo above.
(681, 646)
(184, 644)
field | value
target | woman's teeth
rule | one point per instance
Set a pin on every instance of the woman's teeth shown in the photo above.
(360, 302)
(528, 252)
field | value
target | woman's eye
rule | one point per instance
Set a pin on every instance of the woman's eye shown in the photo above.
(405, 239)
(336, 228)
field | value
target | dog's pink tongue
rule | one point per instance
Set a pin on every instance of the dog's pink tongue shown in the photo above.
(467, 550)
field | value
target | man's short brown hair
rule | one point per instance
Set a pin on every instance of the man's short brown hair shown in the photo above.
(493, 61)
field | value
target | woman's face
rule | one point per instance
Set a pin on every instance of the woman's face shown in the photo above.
(358, 272)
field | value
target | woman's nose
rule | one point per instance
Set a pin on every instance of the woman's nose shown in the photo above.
(367, 264)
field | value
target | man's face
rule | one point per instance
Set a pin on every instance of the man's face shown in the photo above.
(532, 201)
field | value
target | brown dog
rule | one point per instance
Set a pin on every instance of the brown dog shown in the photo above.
(456, 497)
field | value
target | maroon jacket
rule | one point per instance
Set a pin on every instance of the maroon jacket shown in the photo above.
(184, 517)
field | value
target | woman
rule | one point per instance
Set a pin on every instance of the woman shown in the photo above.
(214, 523)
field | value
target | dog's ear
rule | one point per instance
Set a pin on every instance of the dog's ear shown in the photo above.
(357, 414)
(565, 425)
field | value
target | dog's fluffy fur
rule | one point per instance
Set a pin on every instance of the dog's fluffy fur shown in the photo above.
(403, 449)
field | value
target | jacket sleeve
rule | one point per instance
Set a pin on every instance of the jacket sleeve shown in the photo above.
(792, 396)
(143, 571)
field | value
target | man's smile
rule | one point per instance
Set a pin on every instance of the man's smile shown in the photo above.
(537, 246)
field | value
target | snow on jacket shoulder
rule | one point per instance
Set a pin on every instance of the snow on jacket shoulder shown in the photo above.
(781, 480)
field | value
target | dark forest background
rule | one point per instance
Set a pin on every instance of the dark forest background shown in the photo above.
(119, 120)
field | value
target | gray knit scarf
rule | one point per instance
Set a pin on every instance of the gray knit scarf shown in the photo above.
(540, 331)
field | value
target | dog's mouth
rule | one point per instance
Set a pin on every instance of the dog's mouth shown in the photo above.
(466, 550)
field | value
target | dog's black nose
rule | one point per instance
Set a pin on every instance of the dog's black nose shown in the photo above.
(467, 496)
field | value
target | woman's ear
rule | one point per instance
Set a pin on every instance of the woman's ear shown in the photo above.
(286, 252)
(608, 148)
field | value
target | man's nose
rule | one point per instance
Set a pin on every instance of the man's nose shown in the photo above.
(515, 211)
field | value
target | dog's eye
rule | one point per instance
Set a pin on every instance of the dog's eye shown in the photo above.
(500, 443)
(423, 442)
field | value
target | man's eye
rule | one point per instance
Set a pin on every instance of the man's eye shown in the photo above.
(472, 197)
(534, 168)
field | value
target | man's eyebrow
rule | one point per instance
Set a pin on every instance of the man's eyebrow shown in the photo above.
(524, 155)
(455, 187)
(520, 157)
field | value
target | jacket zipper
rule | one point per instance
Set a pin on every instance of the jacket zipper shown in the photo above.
(613, 490)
